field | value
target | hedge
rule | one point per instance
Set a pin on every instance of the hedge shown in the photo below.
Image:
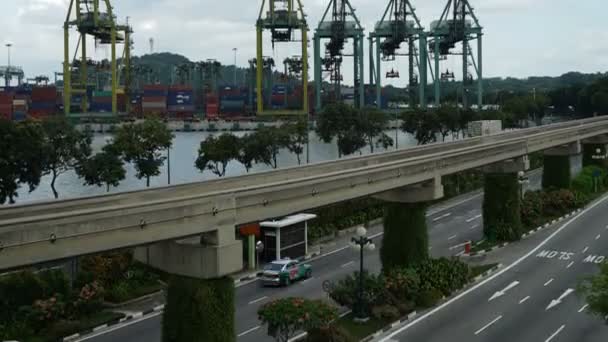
(501, 207)
(199, 310)
(405, 240)
(559, 176)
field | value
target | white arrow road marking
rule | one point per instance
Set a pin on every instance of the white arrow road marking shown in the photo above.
(473, 218)
(503, 291)
(583, 308)
(442, 217)
(555, 333)
(487, 325)
(524, 299)
(558, 301)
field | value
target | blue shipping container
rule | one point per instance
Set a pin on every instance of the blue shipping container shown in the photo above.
(19, 116)
(155, 93)
(42, 105)
(181, 98)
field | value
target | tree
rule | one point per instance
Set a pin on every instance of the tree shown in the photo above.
(247, 151)
(20, 158)
(269, 141)
(214, 153)
(423, 125)
(287, 316)
(343, 123)
(373, 123)
(104, 168)
(142, 143)
(297, 137)
(64, 148)
(449, 120)
(595, 291)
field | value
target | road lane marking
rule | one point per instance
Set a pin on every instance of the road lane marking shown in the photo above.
(473, 227)
(503, 291)
(488, 325)
(473, 218)
(570, 264)
(559, 300)
(118, 326)
(248, 331)
(258, 300)
(583, 308)
(306, 280)
(548, 282)
(555, 333)
(453, 205)
(347, 264)
(442, 217)
(598, 236)
(598, 259)
(586, 248)
(452, 237)
(524, 299)
(459, 245)
(497, 274)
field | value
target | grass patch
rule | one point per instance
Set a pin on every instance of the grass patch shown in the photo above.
(481, 269)
(133, 291)
(360, 330)
(61, 329)
(483, 245)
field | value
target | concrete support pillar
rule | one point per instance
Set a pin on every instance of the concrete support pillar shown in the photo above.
(561, 165)
(200, 298)
(591, 147)
(405, 239)
(502, 197)
(251, 252)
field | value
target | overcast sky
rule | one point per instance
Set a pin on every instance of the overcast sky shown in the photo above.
(522, 37)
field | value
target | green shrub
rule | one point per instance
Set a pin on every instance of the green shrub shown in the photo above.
(17, 290)
(445, 275)
(61, 329)
(119, 292)
(585, 183)
(346, 290)
(405, 239)
(429, 297)
(385, 312)
(209, 305)
(54, 282)
(403, 284)
(331, 333)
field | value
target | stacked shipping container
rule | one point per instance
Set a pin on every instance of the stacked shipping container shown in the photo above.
(44, 102)
(180, 102)
(232, 101)
(213, 106)
(154, 101)
(20, 107)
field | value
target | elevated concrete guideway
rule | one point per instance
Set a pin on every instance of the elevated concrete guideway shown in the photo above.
(42, 232)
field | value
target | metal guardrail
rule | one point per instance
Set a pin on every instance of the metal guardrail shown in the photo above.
(34, 233)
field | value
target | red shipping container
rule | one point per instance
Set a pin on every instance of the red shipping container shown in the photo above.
(6, 98)
(155, 87)
(44, 94)
(180, 87)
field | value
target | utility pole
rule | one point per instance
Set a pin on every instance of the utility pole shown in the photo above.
(235, 50)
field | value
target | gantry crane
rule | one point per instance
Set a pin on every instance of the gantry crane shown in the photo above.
(267, 81)
(458, 24)
(341, 26)
(99, 22)
(283, 19)
(399, 25)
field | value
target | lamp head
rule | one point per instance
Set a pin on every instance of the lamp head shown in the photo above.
(361, 231)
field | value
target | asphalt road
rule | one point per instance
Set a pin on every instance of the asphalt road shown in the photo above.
(449, 227)
(533, 299)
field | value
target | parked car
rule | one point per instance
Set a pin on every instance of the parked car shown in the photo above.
(284, 272)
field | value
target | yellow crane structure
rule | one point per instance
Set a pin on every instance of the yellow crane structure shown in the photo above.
(283, 19)
(93, 18)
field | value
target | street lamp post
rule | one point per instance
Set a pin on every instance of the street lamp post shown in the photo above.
(360, 243)
(235, 50)
(522, 180)
(8, 68)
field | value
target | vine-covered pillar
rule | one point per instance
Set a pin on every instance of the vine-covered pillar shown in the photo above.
(595, 151)
(561, 165)
(405, 239)
(502, 198)
(200, 297)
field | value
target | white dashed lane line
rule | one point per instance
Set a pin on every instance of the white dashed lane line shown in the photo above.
(548, 282)
(347, 264)
(586, 248)
(523, 300)
(473, 218)
(258, 300)
(442, 217)
(583, 308)
(555, 333)
(488, 325)
(248, 331)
